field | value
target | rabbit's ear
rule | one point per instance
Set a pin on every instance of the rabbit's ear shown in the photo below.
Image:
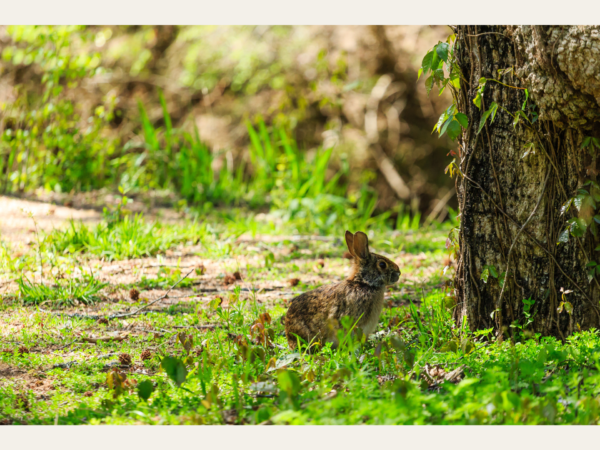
(350, 242)
(361, 245)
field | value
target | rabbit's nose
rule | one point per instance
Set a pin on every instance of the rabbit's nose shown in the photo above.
(395, 276)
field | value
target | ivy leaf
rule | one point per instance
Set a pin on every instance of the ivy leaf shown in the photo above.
(596, 142)
(426, 63)
(429, 84)
(485, 275)
(491, 111)
(442, 51)
(526, 98)
(569, 307)
(477, 99)
(566, 206)
(534, 117)
(445, 126)
(440, 121)
(435, 61)
(462, 119)
(563, 238)
(578, 227)
(493, 271)
(586, 142)
(454, 129)
(438, 74)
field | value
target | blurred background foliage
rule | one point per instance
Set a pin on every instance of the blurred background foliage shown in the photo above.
(314, 122)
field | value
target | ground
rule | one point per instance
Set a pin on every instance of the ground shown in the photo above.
(180, 322)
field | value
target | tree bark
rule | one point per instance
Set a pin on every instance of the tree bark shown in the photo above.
(510, 199)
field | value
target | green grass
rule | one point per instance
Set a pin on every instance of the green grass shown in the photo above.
(232, 374)
(131, 237)
(63, 292)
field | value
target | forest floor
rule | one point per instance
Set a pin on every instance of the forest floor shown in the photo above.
(165, 320)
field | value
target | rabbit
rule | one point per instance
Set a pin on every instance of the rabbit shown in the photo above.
(313, 315)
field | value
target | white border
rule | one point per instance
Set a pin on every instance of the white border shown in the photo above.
(303, 12)
(301, 438)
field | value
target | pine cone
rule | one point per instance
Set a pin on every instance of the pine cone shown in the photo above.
(125, 359)
(103, 321)
(294, 281)
(237, 275)
(22, 350)
(134, 294)
(88, 394)
(146, 354)
(229, 279)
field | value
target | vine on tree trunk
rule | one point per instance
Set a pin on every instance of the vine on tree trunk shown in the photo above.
(441, 67)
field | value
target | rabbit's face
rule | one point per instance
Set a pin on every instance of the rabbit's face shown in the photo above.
(388, 270)
(370, 268)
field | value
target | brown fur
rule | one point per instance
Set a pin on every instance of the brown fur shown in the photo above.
(314, 315)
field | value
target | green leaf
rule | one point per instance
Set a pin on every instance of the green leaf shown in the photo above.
(442, 51)
(563, 238)
(526, 98)
(485, 274)
(440, 121)
(145, 389)
(289, 382)
(445, 126)
(450, 346)
(467, 346)
(569, 307)
(426, 63)
(565, 207)
(175, 369)
(435, 61)
(493, 271)
(586, 142)
(454, 129)
(491, 111)
(578, 227)
(429, 84)
(494, 108)
(462, 119)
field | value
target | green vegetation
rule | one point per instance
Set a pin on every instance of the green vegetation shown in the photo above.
(226, 361)
(139, 319)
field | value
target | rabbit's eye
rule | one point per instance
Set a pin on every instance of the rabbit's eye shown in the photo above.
(382, 265)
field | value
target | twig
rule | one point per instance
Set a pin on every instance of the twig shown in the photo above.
(118, 316)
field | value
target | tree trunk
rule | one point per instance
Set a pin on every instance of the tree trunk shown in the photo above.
(515, 179)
